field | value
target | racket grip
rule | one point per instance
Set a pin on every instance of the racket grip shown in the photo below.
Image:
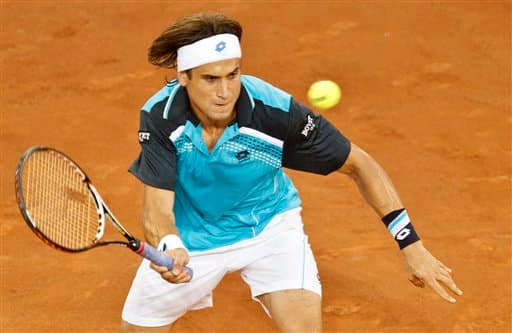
(155, 256)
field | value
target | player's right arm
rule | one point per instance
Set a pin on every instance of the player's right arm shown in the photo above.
(156, 168)
(158, 222)
(157, 214)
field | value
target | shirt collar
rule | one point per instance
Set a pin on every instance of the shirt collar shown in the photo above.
(181, 110)
(244, 107)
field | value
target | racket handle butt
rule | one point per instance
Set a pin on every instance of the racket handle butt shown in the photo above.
(155, 256)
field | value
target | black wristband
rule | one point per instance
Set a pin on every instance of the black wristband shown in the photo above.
(399, 225)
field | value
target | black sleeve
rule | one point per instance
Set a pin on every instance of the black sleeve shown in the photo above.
(156, 164)
(312, 143)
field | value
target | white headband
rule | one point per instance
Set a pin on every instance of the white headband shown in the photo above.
(208, 50)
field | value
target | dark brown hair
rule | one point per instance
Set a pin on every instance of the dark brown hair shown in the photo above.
(187, 30)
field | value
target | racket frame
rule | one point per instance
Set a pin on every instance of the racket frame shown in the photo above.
(133, 243)
(25, 213)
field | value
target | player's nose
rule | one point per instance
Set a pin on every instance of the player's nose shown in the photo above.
(223, 89)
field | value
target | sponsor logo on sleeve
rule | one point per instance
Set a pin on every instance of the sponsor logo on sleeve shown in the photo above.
(309, 127)
(144, 137)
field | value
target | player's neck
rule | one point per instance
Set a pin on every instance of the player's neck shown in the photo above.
(214, 125)
(212, 129)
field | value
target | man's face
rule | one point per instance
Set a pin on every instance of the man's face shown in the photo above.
(213, 90)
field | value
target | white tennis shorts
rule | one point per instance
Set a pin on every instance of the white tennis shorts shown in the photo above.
(279, 258)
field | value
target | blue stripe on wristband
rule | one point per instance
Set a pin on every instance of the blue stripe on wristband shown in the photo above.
(399, 225)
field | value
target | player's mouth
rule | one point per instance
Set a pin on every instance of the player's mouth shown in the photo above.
(221, 105)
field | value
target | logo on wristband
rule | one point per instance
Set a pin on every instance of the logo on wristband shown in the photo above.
(403, 234)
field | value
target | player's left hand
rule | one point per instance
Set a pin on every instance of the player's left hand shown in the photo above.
(423, 268)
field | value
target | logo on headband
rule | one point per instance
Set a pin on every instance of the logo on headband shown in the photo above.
(220, 46)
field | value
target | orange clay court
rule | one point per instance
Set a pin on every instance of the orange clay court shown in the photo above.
(426, 91)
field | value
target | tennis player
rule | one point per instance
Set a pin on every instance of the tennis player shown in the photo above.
(213, 146)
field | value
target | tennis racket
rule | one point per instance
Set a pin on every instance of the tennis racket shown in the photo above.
(63, 208)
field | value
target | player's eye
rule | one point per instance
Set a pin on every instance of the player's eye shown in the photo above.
(233, 75)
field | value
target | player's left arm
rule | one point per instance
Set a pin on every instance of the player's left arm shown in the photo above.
(378, 190)
(313, 144)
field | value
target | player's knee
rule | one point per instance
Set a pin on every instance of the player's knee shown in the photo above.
(305, 325)
(295, 310)
(126, 327)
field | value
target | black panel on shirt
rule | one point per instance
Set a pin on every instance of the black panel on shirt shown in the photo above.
(312, 143)
(268, 120)
(156, 164)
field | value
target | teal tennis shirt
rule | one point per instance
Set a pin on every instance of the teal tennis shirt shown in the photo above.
(232, 192)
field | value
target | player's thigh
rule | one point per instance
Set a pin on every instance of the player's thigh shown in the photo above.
(154, 302)
(296, 310)
(285, 262)
(126, 327)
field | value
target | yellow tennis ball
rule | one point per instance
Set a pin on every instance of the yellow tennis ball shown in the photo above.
(324, 94)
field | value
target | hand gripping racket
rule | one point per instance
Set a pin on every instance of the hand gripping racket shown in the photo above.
(62, 207)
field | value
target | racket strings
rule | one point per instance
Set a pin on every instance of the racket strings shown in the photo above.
(59, 201)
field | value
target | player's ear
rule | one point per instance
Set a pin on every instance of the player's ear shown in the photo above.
(183, 78)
